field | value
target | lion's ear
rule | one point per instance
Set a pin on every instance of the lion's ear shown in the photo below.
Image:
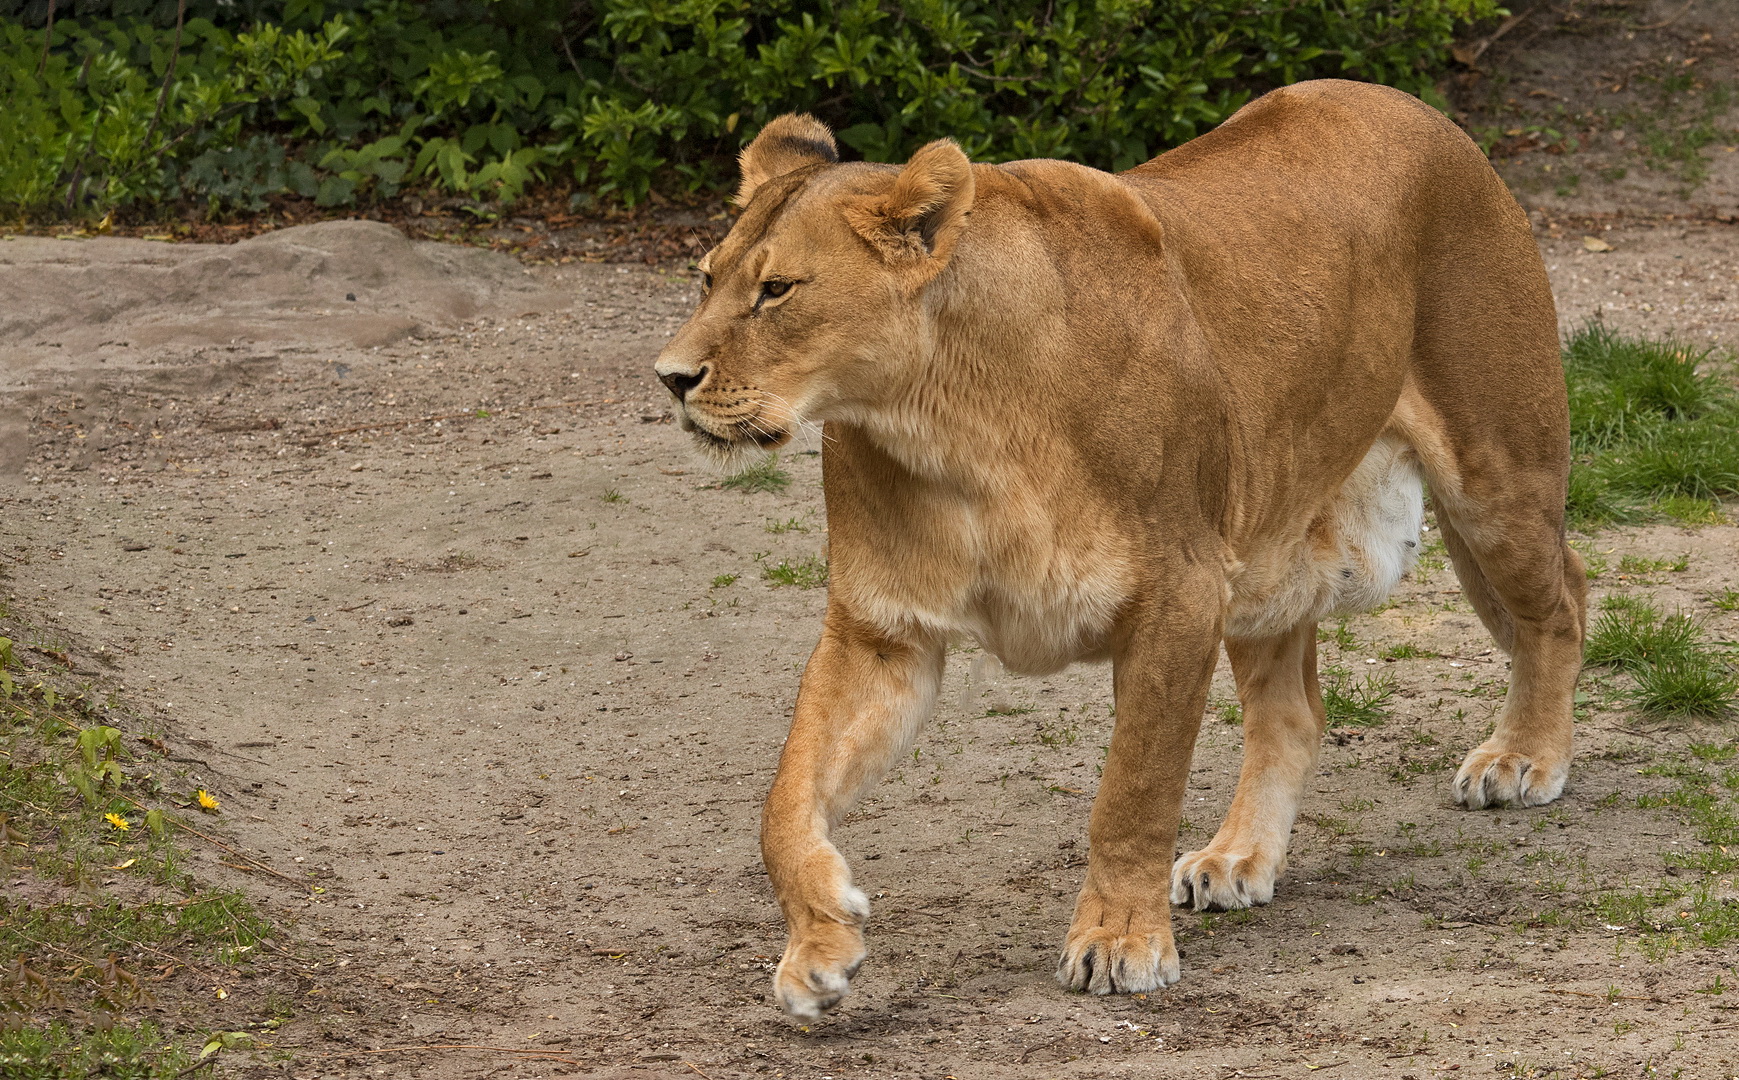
(918, 220)
(787, 144)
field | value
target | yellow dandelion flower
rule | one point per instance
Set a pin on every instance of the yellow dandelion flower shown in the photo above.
(117, 821)
(206, 800)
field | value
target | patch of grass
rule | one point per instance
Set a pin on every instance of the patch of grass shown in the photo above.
(1356, 702)
(763, 476)
(1653, 430)
(1673, 135)
(1700, 912)
(85, 806)
(1433, 558)
(1631, 633)
(1342, 636)
(613, 496)
(1677, 671)
(1637, 565)
(59, 1051)
(1688, 511)
(1727, 599)
(724, 581)
(1699, 685)
(1406, 651)
(1060, 732)
(806, 573)
(788, 525)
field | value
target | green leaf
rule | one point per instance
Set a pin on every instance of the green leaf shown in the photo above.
(310, 110)
(335, 191)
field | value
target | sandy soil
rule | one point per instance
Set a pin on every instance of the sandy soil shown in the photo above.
(482, 679)
(1611, 107)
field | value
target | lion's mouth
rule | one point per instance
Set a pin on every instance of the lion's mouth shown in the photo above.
(735, 435)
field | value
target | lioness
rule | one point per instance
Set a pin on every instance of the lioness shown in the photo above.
(1078, 416)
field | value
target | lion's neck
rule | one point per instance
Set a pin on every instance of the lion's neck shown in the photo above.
(976, 403)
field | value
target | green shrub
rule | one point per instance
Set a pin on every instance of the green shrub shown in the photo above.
(350, 100)
(764, 475)
(805, 573)
(1696, 685)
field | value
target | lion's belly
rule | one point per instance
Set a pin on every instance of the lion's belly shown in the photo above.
(1348, 560)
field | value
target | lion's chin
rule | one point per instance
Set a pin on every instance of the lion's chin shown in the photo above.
(734, 455)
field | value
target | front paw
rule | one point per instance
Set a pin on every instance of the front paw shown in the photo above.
(1222, 881)
(1120, 954)
(815, 973)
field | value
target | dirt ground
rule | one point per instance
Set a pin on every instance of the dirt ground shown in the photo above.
(397, 543)
(481, 678)
(1609, 107)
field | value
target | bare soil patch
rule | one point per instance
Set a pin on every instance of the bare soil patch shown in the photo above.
(475, 665)
(1610, 108)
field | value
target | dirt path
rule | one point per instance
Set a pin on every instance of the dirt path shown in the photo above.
(485, 680)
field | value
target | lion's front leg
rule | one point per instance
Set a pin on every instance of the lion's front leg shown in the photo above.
(1283, 725)
(863, 700)
(1120, 940)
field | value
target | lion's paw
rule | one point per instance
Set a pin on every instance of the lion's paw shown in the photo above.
(1100, 961)
(815, 973)
(1220, 881)
(1494, 777)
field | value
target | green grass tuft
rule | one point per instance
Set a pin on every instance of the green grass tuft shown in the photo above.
(57, 1051)
(1356, 702)
(1406, 651)
(765, 475)
(808, 573)
(78, 961)
(1696, 685)
(1631, 634)
(1677, 671)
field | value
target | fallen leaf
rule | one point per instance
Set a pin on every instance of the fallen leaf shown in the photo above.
(1594, 243)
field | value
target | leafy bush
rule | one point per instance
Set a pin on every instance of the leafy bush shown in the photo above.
(350, 100)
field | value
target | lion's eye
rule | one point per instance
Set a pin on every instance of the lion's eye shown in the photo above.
(773, 290)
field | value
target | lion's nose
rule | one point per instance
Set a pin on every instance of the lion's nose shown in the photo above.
(681, 382)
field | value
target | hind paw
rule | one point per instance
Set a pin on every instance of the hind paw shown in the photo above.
(1491, 776)
(1221, 881)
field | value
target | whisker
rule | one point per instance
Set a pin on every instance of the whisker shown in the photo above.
(797, 418)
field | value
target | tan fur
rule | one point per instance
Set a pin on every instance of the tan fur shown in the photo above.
(1079, 416)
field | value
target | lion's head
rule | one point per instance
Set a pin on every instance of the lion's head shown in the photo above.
(812, 302)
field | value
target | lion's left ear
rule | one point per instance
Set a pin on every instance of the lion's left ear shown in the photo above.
(918, 220)
(786, 144)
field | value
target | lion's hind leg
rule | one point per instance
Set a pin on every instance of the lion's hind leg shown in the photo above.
(1497, 472)
(1530, 589)
(1283, 725)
